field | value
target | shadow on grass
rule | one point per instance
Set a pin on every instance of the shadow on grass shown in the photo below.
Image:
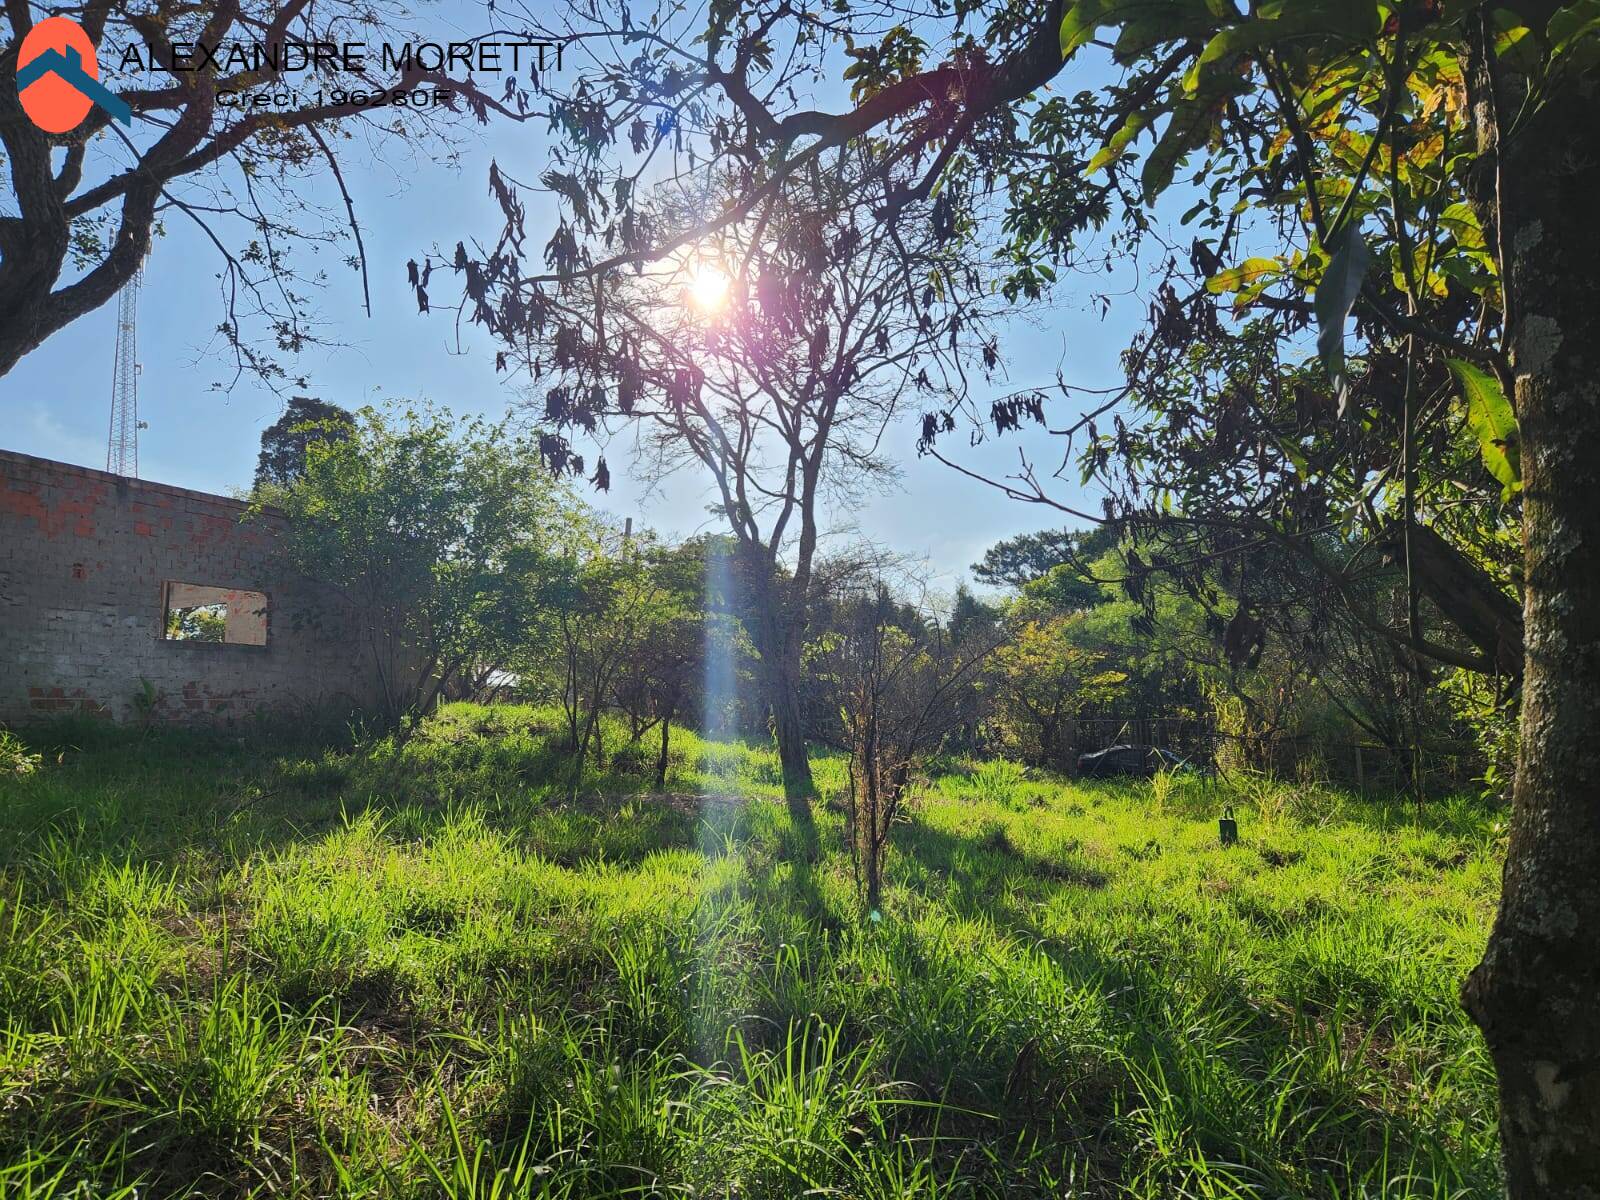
(978, 870)
(1202, 1058)
(156, 795)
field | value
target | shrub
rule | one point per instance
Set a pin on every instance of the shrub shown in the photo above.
(14, 756)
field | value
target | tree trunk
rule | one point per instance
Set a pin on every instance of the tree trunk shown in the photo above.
(581, 753)
(662, 758)
(783, 696)
(1536, 994)
(872, 838)
(778, 631)
(1050, 744)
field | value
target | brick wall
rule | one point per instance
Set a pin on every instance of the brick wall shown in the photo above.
(84, 557)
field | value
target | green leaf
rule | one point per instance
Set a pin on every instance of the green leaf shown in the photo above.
(1514, 43)
(1358, 19)
(1461, 222)
(1490, 417)
(1572, 22)
(1336, 294)
(1242, 276)
(1282, 22)
(1292, 452)
(1079, 23)
(1190, 126)
(1574, 33)
(1145, 22)
(1116, 143)
(1159, 22)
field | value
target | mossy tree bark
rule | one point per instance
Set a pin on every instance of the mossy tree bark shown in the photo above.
(1536, 994)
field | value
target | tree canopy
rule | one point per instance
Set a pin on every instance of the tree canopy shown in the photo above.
(284, 443)
(441, 535)
(84, 206)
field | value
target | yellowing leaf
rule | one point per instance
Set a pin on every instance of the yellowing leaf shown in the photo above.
(1242, 276)
(1116, 143)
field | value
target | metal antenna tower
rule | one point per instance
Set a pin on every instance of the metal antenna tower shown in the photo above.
(122, 445)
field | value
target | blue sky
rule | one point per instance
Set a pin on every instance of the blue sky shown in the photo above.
(56, 402)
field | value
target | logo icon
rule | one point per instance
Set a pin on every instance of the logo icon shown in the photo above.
(58, 77)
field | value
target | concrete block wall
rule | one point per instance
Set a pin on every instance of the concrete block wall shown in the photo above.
(84, 557)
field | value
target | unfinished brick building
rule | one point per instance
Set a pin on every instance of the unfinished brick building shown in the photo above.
(139, 601)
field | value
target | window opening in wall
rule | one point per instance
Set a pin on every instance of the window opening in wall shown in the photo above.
(194, 612)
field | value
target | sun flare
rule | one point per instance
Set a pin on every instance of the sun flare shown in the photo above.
(708, 288)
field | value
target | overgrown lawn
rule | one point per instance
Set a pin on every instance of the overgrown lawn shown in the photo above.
(249, 966)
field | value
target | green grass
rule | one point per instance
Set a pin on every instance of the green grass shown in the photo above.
(246, 967)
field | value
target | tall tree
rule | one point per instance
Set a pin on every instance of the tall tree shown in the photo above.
(1043, 679)
(284, 442)
(1536, 994)
(659, 679)
(607, 602)
(897, 674)
(773, 359)
(439, 535)
(1019, 560)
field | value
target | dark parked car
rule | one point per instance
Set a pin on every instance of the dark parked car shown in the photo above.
(1129, 760)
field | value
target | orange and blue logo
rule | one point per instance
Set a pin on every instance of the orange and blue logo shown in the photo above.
(58, 77)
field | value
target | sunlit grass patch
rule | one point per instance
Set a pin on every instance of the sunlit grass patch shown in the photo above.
(419, 969)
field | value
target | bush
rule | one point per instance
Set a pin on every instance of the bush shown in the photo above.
(14, 756)
(994, 781)
(633, 758)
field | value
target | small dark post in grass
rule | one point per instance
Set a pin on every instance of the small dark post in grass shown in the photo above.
(1227, 827)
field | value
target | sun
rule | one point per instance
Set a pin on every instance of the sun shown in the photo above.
(708, 288)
